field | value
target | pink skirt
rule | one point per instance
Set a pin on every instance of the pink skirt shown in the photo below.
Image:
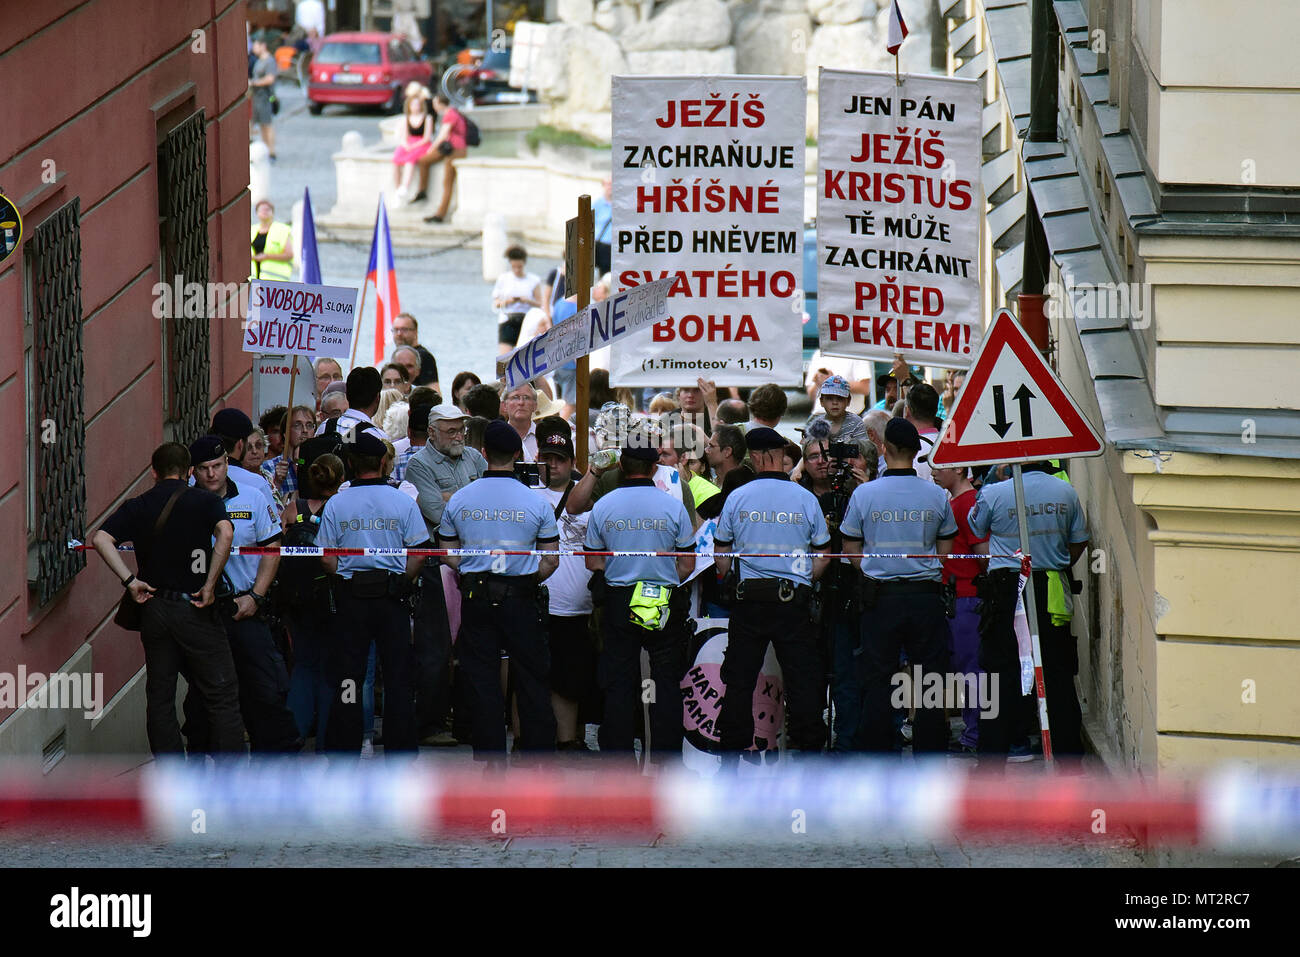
(411, 150)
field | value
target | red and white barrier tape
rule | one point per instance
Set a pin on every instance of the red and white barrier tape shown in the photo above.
(1234, 809)
(317, 551)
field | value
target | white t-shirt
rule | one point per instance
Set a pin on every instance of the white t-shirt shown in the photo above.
(852, 369)
(511, 287)
(568, 585)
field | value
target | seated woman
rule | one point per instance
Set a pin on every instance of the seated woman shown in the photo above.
(448, 145)
(417, 142)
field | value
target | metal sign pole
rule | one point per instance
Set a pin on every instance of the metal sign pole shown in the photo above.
(1031, 611)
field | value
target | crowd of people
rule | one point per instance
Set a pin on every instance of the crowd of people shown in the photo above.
(518, 639)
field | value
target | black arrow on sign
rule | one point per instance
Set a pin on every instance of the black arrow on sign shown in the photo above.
(1023, 395)
(1001, 426)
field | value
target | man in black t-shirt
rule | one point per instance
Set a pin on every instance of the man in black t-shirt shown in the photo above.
(178, 570)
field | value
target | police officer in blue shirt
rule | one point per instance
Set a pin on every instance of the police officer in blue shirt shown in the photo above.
(501, 606)
(233, 428)
(770, 513)
(372, 599)
(901, 597)
(1058, 535)
(259, 666)
(643, 605)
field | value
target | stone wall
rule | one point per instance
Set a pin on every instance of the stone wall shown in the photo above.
(595, 39)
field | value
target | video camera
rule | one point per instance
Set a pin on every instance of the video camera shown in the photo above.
(531, 474)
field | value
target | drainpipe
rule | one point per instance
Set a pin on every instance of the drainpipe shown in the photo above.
(1043, 67)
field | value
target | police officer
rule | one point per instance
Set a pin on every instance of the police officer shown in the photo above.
(501, 606)
(233, 427)
(169, 525)
(643, 605)
(372, 599)
(263, 678)
(1058, 535)
(770, 513)
(902, 599)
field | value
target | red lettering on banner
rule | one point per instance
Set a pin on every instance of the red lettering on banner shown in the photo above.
(713, 112)
(692, 328)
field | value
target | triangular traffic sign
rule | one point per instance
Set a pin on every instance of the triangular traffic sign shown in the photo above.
(1013, 408)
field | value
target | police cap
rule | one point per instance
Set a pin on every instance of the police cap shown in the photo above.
(501, 438)
(902, 435)
(763, 439)
(367, 443)
(641, 452)
(232, 423)
(207, 448)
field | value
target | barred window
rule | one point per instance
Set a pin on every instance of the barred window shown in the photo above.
(56, 424)
(183, 229)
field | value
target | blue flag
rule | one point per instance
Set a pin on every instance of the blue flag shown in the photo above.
(310, 257)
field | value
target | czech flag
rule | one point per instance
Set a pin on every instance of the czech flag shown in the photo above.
(384, 276)
(310, 255)
(897, 29)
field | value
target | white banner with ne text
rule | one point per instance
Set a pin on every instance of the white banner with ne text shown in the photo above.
(709, 191)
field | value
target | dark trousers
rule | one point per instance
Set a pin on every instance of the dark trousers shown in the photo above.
(1000, 655)
(510, 624)
(263, 693)
(618, 674)
(309, 689)
(385, 621)
(846, 692)
(901, 618)
(787, 626)
(181, 639)
(432, 654)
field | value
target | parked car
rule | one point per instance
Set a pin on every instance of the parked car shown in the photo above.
(364, 69)
(484, 82)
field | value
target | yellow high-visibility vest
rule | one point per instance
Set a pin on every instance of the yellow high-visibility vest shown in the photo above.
(277, 241)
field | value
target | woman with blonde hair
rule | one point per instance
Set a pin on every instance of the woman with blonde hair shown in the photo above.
(417, 140)
(387, 399)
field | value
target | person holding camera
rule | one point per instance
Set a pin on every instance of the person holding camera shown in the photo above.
(371, 594)
(831, 471)
(259, 666)
(643, 605)
(901, 598)
(773, 597)
(502, 603)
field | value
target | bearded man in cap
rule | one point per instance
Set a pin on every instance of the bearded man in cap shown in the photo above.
(901, 598)
(770, 513)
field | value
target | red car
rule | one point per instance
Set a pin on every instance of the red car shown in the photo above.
(364, 69)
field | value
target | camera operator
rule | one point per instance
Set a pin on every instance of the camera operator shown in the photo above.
(831, 471)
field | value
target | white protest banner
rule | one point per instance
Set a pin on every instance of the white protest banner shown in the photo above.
(898, 217)
(271, 375)
(709, 191)
(593, 328)
(300, 319)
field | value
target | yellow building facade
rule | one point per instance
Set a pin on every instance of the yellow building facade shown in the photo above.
(1169, 205)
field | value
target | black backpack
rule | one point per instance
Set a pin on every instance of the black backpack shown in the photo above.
(300, 581)
(472, 137)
